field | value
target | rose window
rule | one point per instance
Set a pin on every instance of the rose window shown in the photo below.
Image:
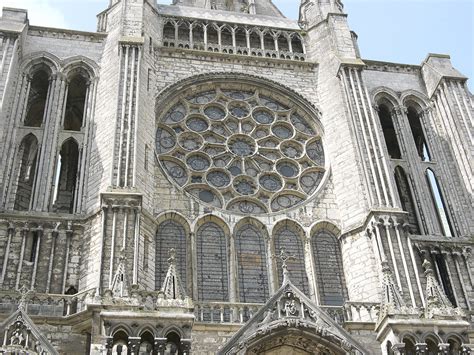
(244, 150)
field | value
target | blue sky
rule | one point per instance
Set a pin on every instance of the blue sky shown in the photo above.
(402, 31)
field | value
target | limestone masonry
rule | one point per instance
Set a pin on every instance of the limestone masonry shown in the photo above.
(210, 177)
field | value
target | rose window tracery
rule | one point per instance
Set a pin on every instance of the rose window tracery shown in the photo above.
(241, 148)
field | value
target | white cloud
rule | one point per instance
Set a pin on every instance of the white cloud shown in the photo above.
(40, 12)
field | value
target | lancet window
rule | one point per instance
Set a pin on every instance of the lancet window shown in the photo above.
(170, 235)
(439, 204)
(329, 270)
(391, 140)
(418, 134)
(26, 172)
(75, 104)
(66, 177)
(212, 263)
(37, 97)
(288, 237)
(251, 264)
(406, 199)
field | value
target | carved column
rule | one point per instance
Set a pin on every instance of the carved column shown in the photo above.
(160, 346)
(443, 349)
(421, 349)
(11, 234)
(134, 345)
(186, 346)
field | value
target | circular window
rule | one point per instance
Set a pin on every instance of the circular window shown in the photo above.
(252, 151)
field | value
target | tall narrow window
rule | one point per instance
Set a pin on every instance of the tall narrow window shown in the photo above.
(410, 348)
(445, 280)
(66, 177)
(251, 263)
(389, 133)
(418, 134)
(439, 204)
(36, 103)
(288, 238)
(31, 246)
(76, 100)
(404, 192)
(212, 270)
(329, 270)
(27, 155)
(170, 235)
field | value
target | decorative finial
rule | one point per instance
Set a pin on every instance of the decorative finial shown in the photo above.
(284, 257)
(24, 294)
(172, 257)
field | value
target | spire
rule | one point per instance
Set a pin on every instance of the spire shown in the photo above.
(172, 288)
(437, 303)
(119, 284)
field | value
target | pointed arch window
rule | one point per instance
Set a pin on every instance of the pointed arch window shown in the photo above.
(418, 134)
(329, 270)
(439, 204)
(212, 268)
(75, 103)
(170, 235)
(28, 155)
(37, 97)
(66, 177)
(443, 277)
(289, 238)
(251, 263)
(391, 140)
(406, 199)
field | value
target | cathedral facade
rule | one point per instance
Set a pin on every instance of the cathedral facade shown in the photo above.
(210, 177)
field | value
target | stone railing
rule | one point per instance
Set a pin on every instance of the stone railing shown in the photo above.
(361, 312)
(49, 305)
(225, 312)
(240, 313)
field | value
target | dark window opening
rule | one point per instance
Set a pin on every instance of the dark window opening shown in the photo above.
(389, 133)
(173, 344)
(432, 347)
(409, 347)
(297, 45)
(66, 177)
(170, 235)
(75, 104)
(226, 37)
(405, 195)
(169, 31)
(212, 36)
(329, 270)
(28, 154)
(439, 204)
(418, 134)
(269, 42)
(283, 43)
(183, 32)
(37, 97)
(445, 281)
(255, 40)
(146, 344)
(252, 267)
(31, 246)
(120, 342)
(389, 348)
(454, 347)
(198, 34)
(240, 38)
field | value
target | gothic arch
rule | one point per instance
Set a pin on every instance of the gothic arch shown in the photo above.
(415, 97)
(174, 215)
(326, 225)
(81, 64)
(147, 328)
(37, 60)
(385, 93)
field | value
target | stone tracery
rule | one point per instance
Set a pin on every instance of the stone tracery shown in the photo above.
(241, 148)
